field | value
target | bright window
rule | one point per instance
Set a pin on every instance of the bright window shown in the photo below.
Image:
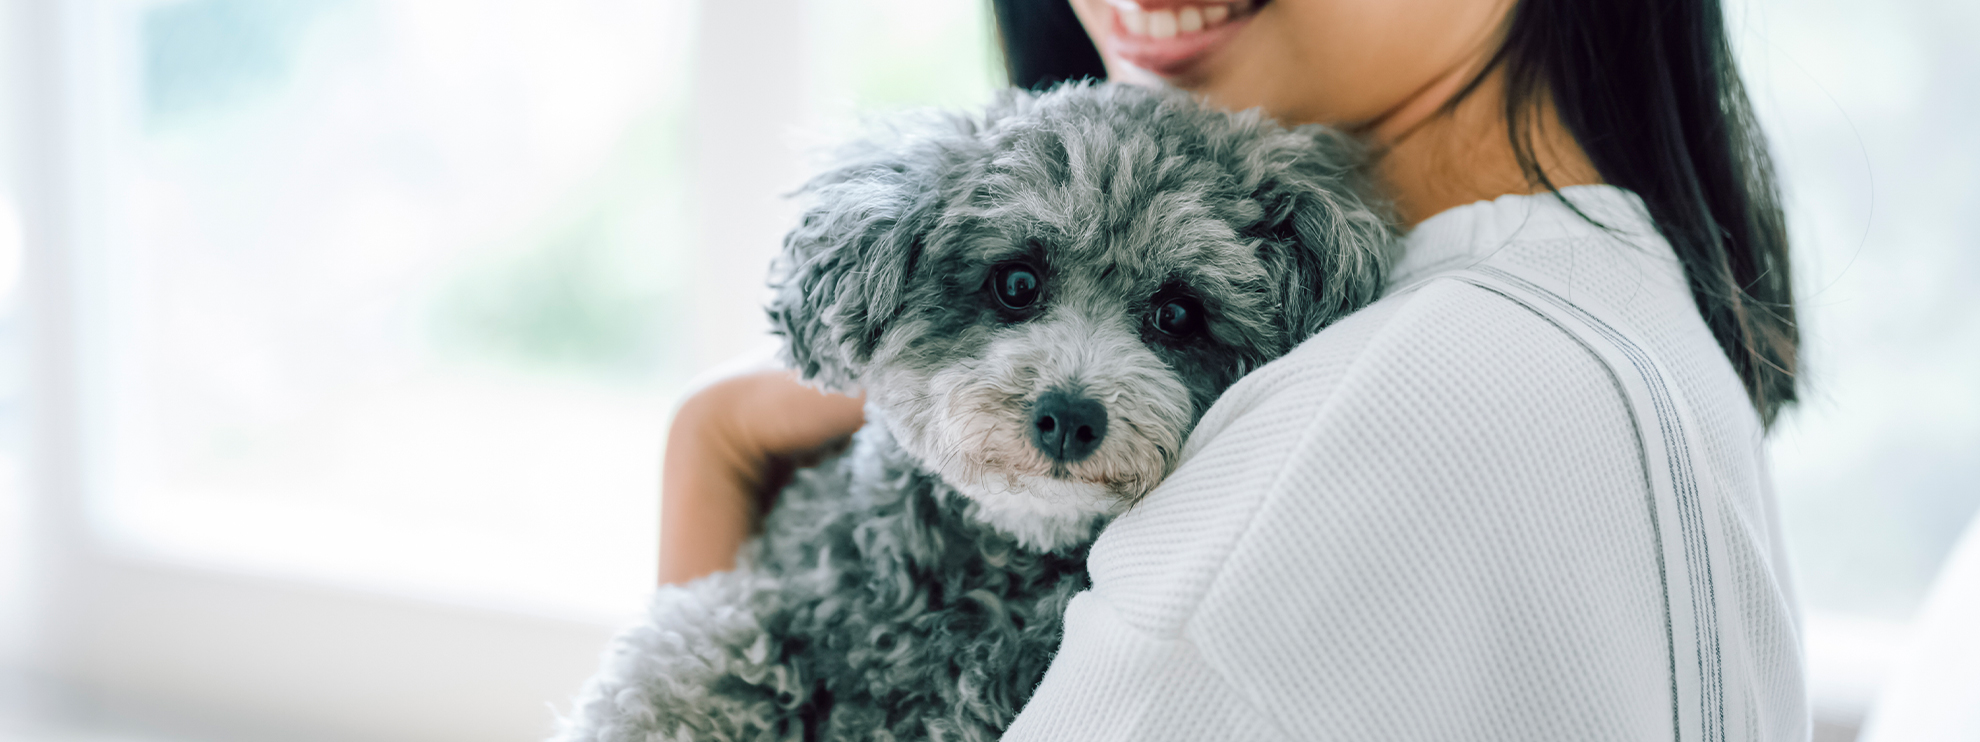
(1877, 470)
(14, 567)
(1866, 106)
(402, 292)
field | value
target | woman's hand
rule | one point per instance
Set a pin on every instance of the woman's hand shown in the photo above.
(731, 447)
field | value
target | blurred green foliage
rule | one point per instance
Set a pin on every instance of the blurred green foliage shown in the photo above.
(591, 289)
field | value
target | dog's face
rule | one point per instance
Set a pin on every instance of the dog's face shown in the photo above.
(1041, 303)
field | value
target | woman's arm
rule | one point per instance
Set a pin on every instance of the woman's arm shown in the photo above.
(731, 447)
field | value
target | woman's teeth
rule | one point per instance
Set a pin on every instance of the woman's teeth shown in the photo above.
(1168, 22)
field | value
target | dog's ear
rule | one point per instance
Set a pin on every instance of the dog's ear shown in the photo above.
(1327, 244)
(843, 274)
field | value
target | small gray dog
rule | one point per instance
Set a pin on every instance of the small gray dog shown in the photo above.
(1039, 303)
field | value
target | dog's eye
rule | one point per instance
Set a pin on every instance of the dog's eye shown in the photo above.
(1016, 285)
(1179, 317)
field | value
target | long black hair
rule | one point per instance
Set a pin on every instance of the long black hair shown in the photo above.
(1649, 90)
(1044, 45)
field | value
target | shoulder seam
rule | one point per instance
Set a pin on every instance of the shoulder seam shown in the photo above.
(1253, 704)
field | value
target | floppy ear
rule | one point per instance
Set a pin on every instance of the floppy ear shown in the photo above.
(1327, 243)
(843, 274)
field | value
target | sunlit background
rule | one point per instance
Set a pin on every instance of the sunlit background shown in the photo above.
(338, 337)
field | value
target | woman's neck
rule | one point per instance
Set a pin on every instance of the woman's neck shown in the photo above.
(1430, 157)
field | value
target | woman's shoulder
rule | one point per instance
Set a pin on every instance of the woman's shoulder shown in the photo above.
(1436, 339)
(1441, 401)
(1446, 493)
(1423, 401)
(1428, 352)
(1441, 492)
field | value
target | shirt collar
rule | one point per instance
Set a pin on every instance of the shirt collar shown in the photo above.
(1467, 235)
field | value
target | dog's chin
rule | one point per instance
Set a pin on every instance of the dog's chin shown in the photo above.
(1043, 513)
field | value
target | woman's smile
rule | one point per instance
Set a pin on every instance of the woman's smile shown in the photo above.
(1169, 37)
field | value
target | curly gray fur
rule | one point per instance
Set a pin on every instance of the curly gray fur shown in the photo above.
(873, 608)
(885, 601)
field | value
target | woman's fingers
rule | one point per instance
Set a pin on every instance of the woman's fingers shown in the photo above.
(731, 446)
(789, 419)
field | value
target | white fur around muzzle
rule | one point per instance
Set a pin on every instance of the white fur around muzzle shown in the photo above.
(970, 423)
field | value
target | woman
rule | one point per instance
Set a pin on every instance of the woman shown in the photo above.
(1523, 496)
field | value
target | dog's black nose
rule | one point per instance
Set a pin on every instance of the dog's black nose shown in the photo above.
(1067, 426)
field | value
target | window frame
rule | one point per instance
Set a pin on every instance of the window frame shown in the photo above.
(223, 649)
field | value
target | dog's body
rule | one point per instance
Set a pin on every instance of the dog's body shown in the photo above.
(1039, 304)
(871, 608)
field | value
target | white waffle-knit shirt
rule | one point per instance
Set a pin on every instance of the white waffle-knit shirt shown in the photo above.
(1429, 522)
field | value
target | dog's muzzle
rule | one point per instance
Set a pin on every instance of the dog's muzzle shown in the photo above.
(1067, 426)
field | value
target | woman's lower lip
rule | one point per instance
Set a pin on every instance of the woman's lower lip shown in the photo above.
(1173, 56)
